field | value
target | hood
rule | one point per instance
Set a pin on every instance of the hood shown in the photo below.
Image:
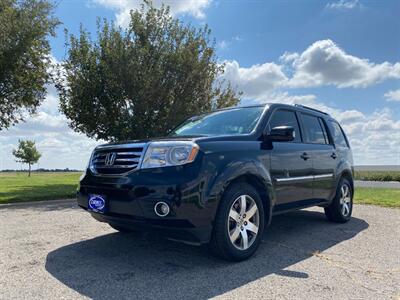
(157, 139)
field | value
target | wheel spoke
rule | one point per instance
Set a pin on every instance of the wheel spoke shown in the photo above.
(345, 209)
(242, 204)
(234, 234)
(245, 239)
(346, 191)
(342, 192)
(250, 213)
(234, 215)
(252, 227)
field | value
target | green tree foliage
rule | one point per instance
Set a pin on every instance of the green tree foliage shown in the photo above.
(141, 81)
(24, 56)
(27, 153)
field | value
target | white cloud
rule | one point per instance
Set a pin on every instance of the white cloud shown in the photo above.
(393, 95)
(223, 44)
(289, 57)
(255, 80)
(60, 146)
(194, 8)
(324, 63)
(343, 4)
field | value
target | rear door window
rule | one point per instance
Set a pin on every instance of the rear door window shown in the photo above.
(315, 132)
(286, 118)
(337, 134)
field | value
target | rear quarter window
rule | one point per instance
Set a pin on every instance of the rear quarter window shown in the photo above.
(338, 135)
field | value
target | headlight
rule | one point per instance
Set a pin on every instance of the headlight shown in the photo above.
(90, 164)
(165, 154)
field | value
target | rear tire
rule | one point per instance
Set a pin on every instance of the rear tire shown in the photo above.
(339, 211)
(239, 223)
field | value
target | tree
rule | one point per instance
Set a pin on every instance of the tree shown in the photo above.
(24, 57)
(141, 81)
(27, 153)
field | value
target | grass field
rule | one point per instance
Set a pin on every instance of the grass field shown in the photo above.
(18, 187)
(377, 175)
(381, 197)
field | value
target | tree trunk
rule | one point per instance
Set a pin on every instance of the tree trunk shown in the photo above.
(29, 174)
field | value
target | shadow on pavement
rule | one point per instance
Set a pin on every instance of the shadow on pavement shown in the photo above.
(126, 266)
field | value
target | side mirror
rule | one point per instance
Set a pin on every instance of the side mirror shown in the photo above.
(282, 134)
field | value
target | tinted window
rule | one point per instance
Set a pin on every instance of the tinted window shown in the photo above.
(232, 121)
(324, 131)
(337, 134)
(314, 131)
(286, 118)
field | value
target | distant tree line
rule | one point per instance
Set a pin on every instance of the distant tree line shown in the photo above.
(40, 170)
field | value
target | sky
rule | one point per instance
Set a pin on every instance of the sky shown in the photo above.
(341, 56)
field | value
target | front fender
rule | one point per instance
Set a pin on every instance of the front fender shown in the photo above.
(252, 170)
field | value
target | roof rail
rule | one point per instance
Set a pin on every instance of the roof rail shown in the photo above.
(310, 108)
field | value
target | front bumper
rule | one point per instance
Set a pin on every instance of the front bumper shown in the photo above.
(131, 199)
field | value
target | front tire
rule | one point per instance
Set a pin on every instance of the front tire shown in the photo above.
(239, 223)
(340, 209)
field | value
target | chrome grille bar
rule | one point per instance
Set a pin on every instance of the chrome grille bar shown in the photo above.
(127, 159)
(116, 159)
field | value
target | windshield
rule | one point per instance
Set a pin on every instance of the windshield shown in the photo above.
(224, 122)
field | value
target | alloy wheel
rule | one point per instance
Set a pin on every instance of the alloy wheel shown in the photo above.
(345, 200)
(243, 223)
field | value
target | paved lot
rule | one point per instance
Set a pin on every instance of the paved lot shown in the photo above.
(53, 251)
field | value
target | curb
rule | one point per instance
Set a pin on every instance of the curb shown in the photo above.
(35, 203)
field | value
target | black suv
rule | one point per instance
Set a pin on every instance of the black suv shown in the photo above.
(220, 177)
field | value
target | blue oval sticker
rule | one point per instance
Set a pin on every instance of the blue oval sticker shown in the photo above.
(97, 203)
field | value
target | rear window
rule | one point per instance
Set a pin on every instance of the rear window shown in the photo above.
(337, 134)
(315, 132)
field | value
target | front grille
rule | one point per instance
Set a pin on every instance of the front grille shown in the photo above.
(116, 159)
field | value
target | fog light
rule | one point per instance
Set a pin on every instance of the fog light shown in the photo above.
(161, 209)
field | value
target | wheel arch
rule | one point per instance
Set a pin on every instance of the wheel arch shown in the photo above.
(263, 188)
(347, 174)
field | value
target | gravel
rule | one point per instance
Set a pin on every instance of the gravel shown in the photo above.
(55, 250)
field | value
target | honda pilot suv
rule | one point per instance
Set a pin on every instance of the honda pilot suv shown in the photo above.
(220, 177)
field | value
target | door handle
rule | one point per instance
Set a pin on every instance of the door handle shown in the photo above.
(334, 155)
(305, 156)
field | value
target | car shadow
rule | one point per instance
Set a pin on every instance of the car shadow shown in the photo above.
(127, 266)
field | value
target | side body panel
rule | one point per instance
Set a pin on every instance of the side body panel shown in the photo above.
(291, 174)
(324, 169)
